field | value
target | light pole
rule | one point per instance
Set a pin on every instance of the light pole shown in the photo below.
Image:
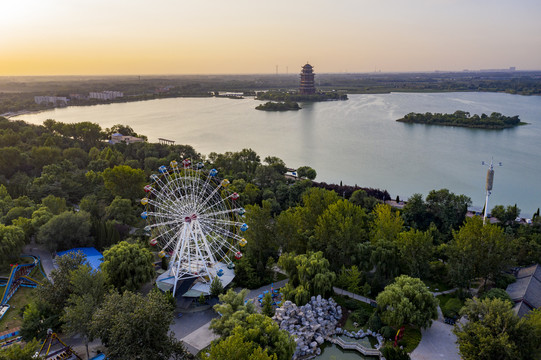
(488, 185)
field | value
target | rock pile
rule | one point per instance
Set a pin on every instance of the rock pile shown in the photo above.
(310, 324)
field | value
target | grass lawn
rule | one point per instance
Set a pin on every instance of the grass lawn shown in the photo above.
(12, 318)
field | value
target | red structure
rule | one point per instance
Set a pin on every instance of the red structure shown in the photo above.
(307, 80)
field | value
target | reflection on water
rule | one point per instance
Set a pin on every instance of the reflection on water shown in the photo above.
(355, 141)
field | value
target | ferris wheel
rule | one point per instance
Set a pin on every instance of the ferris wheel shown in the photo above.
(194, 219)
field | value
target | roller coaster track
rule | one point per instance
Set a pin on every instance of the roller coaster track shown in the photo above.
(17, 278)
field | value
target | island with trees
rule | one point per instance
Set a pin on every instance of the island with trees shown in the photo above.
(63, 186)
(461, 118)
(278, 106)
(288, 96)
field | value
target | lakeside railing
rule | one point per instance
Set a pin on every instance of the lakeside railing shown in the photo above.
(355, 346)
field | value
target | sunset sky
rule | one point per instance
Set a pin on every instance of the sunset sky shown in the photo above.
(67, 37)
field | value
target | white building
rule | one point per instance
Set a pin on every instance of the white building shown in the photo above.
(106, 95)
(56, 100)
(119, 138)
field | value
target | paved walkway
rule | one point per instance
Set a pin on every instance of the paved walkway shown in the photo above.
(437, 342)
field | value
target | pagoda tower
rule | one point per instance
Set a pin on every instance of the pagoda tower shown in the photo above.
(307, 80)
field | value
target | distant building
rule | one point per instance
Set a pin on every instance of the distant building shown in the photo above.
(307, 86)
(56, 100)
(526, 291)
(106, 95)
(119, 138)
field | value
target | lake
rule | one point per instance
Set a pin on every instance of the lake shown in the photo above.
(356, 141)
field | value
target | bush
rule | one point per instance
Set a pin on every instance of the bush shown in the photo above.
(503, 280)
(387, 332)
(496, 293)
(452, 308)
(360, 316)
(394, 353)
(374, 322)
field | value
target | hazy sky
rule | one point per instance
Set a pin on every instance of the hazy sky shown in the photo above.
(57, 37)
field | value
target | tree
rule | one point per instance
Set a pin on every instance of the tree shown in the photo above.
(63, 180)
(121, 210)
(407, 301)
(261, 237)
(124, 181)
(55, 204)
(447, 210)
(11, 242)
(306, 172)
(133, 326)
(66, 231)
(386, 225)
(416, 249)
(338, 231)
(18, 352)
(266, 305)
(478, 250)
(493, 331)
(507, 215)
(233, 311)
(238, 348)
(415, 213)
(309, 275)
(216, 287)
(87, 293)
(57, 291)
(266, 333)
(350, 279)
(127, 266)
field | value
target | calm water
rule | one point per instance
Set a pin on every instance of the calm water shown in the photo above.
(355, 141)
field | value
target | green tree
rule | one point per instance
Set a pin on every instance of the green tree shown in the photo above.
(133, 326)
(127, 266)
(265, 332)
(493, 331)
(238, 348)
(507, 215)
(386, 224)
(124, 181)
(447, 210)
(407, 301)
(309, 275)
(261, 237)
(121, 210)
(338, 231)
(19, 352)
(66, 231)
(350, 279)
(266, 305)
(233, 311)
(306, 172)
(11, 242)
(216, 287)
(63, 180)
(416, 249)
(55, 204)
(478, 251)
(416, 214)
(87, 293)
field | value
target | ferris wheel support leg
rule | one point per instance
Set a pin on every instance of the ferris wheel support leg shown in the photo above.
(175, 260)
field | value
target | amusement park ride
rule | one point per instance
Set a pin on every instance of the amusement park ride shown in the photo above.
(196, 222)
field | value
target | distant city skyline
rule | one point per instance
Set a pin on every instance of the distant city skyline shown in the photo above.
(121, 37)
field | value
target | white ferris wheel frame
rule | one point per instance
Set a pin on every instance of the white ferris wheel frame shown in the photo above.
(194, 221)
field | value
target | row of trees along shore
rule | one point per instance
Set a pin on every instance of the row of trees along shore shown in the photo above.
(464, 119)
(320, 234)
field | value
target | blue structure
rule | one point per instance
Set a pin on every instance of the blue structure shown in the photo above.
(93, 257)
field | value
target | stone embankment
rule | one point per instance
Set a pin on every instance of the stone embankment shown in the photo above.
(311, 324)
